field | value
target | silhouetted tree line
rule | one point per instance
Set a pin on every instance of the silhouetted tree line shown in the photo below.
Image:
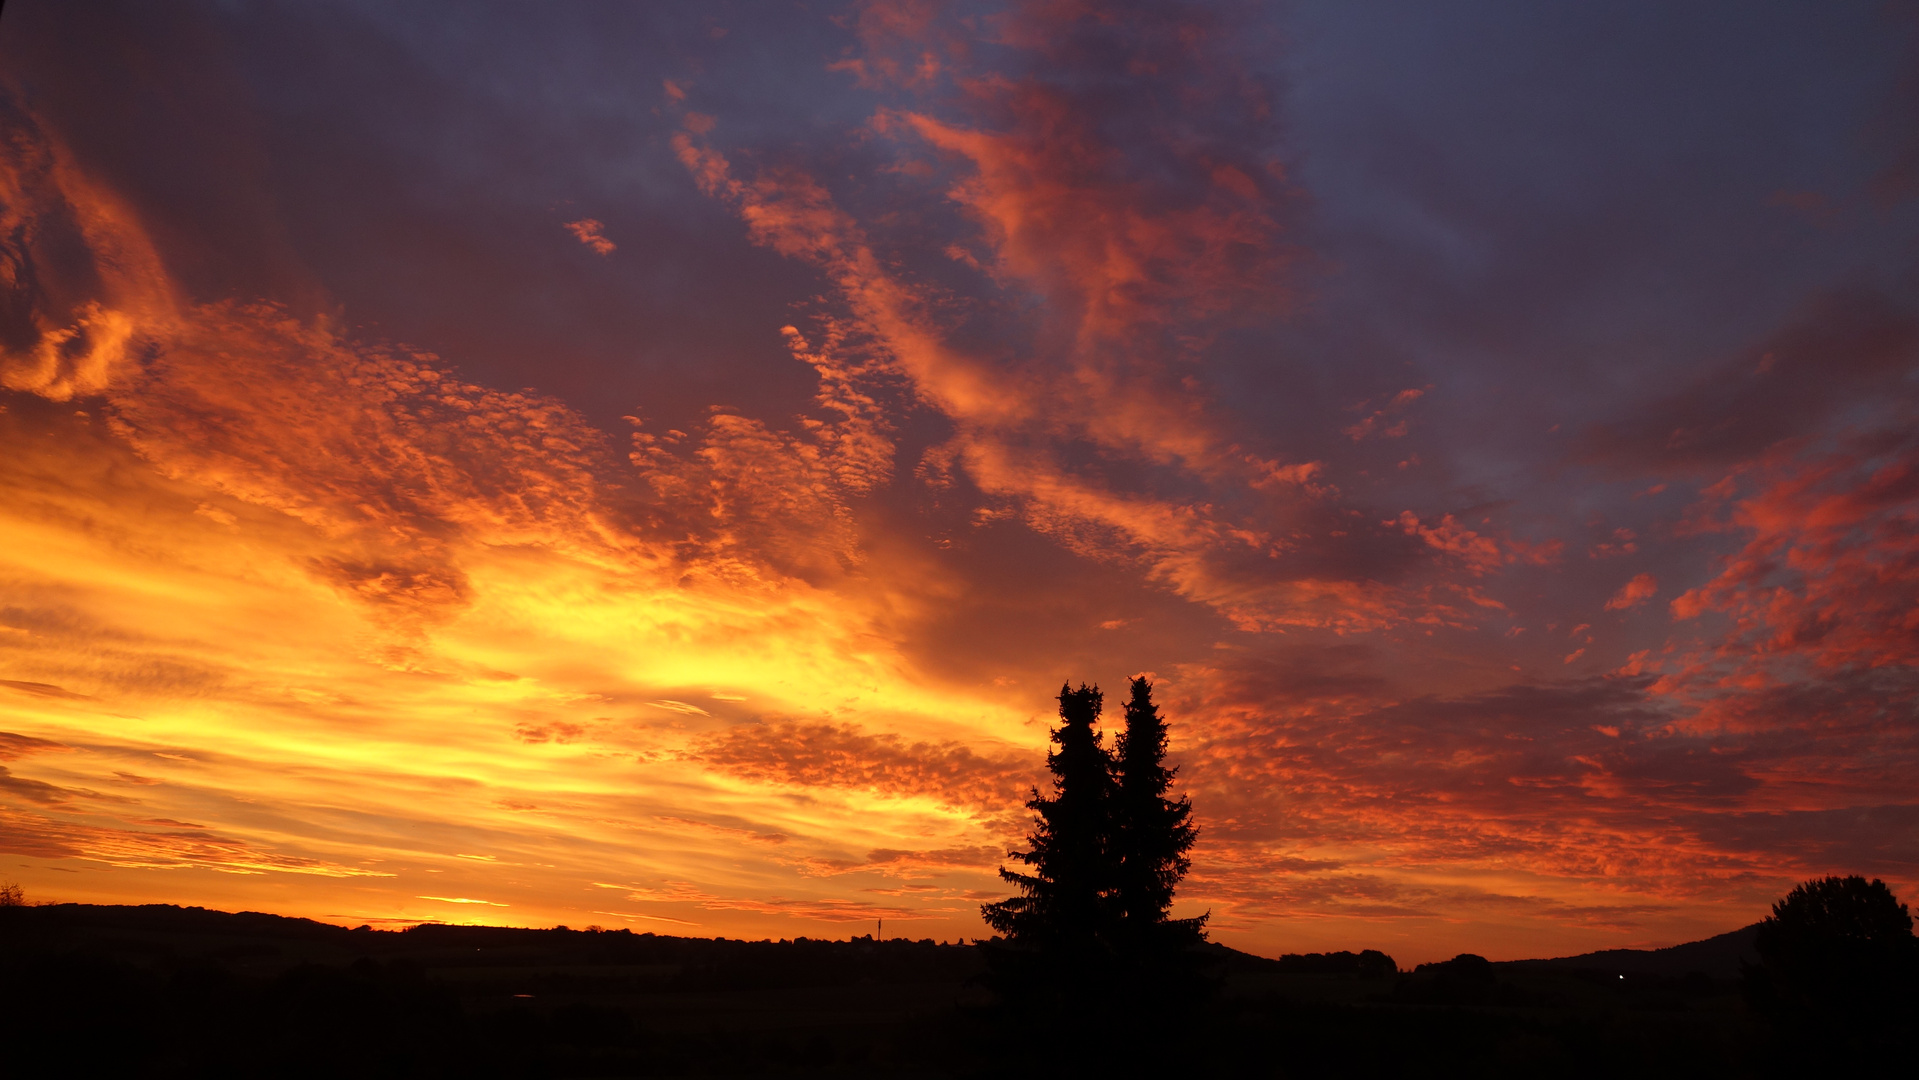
(162, 991)
(1091, 928)
(1367, 964)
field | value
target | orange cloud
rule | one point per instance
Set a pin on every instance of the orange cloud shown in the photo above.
(1633, 593)
(190, 846)
(18, 746)
(1478, 554)
(78, 346)
(1830, 568)
(823, 755)
(1375, 423)
(592, 233)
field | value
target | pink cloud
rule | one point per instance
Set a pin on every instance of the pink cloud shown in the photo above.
(592, 233)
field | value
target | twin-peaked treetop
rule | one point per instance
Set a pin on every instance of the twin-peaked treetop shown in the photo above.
(1109, 847)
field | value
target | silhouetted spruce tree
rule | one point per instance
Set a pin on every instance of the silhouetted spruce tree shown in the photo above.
(1151, 833)
(1063, 909)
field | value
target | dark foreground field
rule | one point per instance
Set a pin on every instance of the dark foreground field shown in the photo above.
(166, 991)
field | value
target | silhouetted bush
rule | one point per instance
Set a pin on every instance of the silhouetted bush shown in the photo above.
(1466, 979)
(1374, 964)
(1462, 971)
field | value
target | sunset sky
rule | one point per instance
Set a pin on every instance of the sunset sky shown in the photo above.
(654, 465)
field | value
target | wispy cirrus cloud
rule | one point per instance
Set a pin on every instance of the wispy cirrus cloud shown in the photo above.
(18, 746)
(1130, 257)
(158, 848)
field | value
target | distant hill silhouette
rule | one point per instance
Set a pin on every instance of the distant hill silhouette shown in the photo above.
(1718, 957)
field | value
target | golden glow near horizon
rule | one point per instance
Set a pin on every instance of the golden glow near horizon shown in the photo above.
(227, 650)
(299, 619)
(234, 714)
(289, 643)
